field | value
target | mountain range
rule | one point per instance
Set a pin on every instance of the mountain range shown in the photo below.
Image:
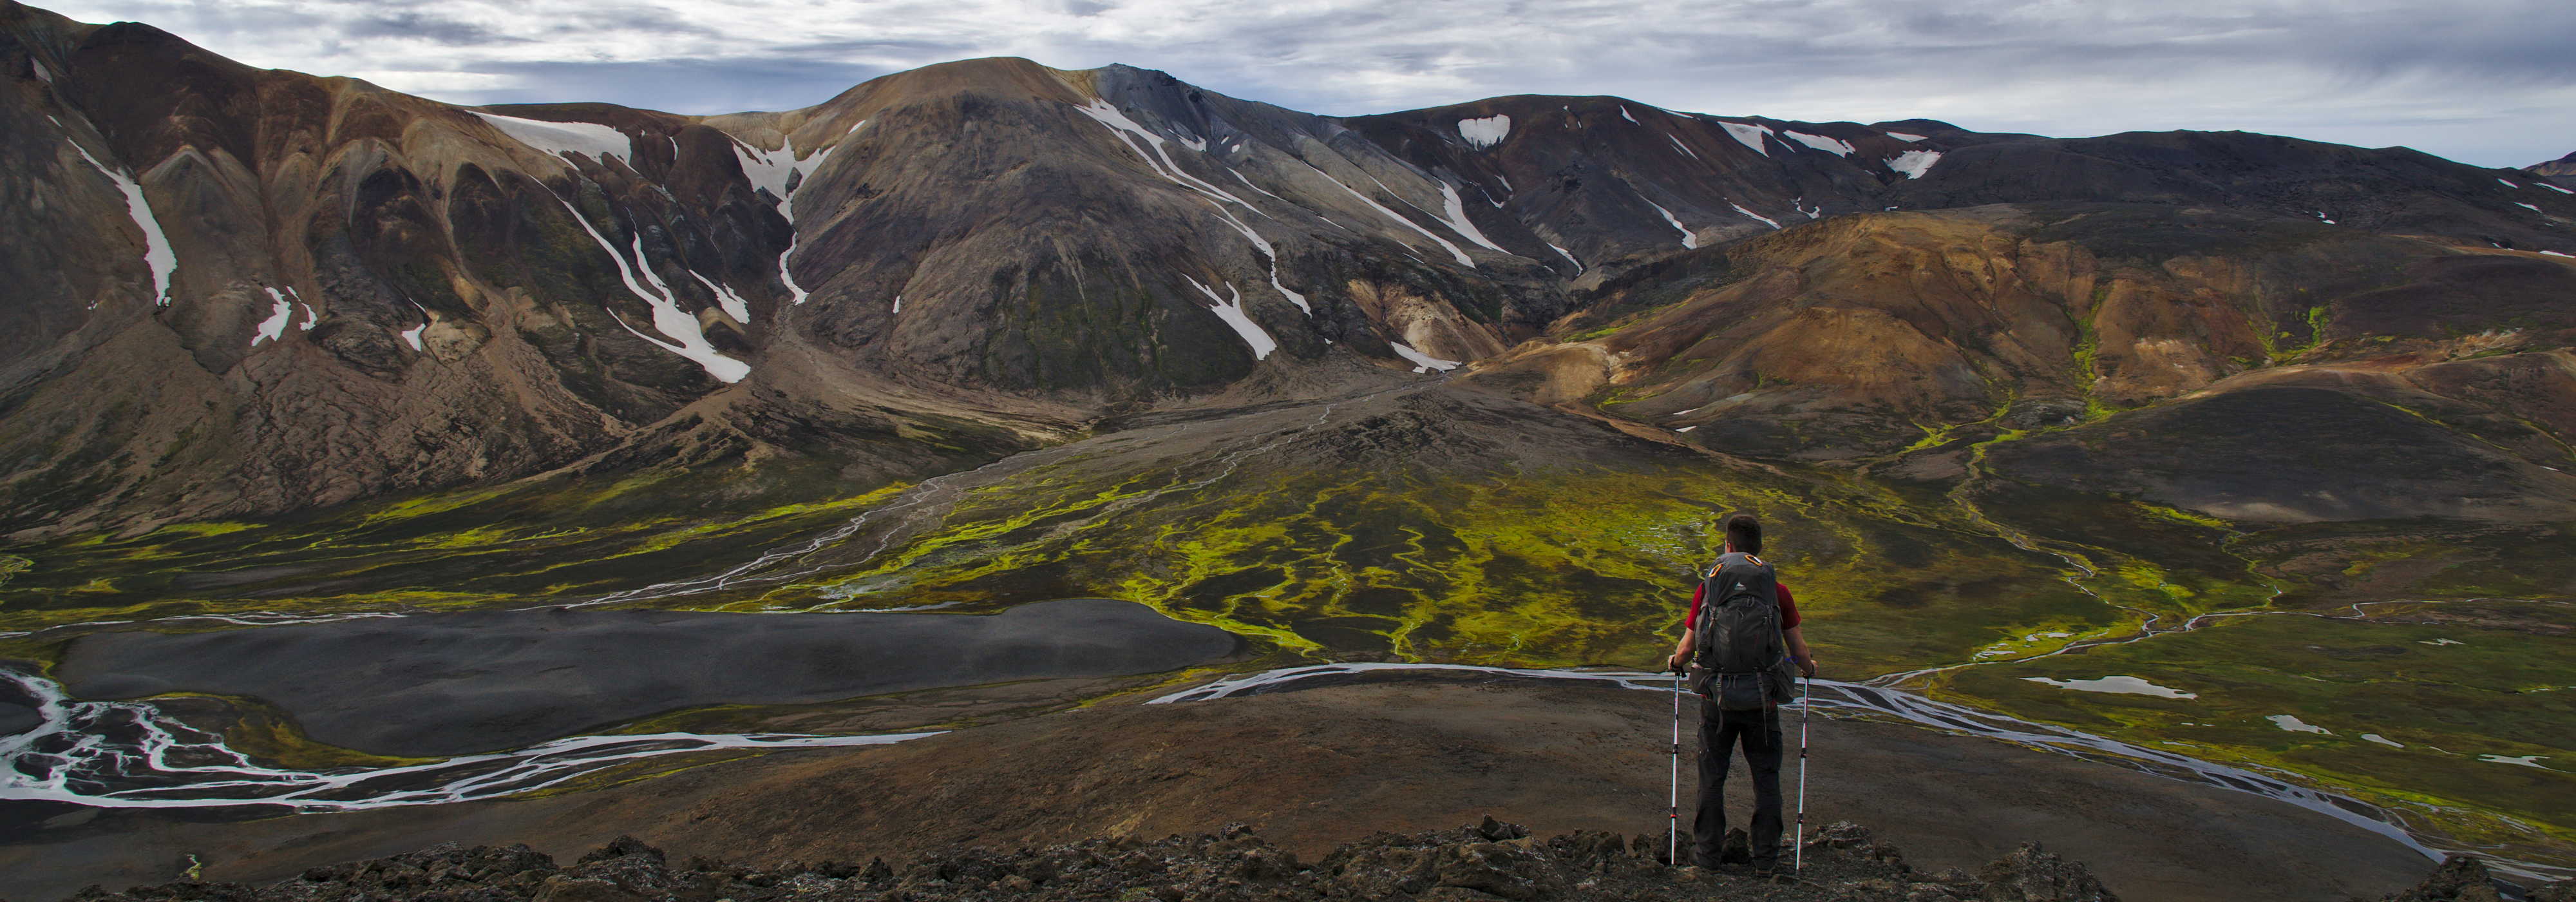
(252, 292)
(1467, 383)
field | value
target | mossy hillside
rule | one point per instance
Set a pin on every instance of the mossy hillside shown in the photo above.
(518, 544)
(1563, 567)
(2448, 682)
(1559, 565)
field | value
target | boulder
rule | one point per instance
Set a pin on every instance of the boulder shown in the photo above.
(2460, 878)
(2032, 874)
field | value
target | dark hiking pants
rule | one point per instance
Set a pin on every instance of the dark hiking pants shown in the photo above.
(1719, 733)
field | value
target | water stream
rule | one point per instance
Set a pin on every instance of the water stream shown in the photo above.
(134, 755)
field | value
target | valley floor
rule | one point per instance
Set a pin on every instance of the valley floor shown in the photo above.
(1311, 769)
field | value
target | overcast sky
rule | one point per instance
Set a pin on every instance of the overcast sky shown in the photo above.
(2490, 82)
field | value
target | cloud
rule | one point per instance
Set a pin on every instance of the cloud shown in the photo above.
(2484, 82)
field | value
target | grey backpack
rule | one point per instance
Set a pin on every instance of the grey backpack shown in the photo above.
(1743, 652)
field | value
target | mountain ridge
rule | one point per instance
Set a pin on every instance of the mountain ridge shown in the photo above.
(922, 254)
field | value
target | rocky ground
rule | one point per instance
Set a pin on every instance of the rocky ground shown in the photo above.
(1313, 771)
(1492, 860)
(1489, 861)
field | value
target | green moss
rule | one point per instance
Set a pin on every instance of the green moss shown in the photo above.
(2180, 516)
(2449, 682)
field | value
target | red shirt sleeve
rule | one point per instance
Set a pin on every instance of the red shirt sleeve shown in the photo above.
(1692, 620)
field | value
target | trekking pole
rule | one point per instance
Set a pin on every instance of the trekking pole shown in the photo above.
(1673, 799)
(1798, 854)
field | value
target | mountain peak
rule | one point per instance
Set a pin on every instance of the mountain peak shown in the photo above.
(2563, 166)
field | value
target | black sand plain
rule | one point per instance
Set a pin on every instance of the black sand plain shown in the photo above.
(458, 683)
(1311, 769)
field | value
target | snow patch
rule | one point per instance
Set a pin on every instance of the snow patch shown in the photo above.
(2117, 685)
(157, 253)
(898, 303)
(1748, 134)
(2507, 184)
(668, 318)
(2291, 723)
(42, 74)
(1677, 145)
(733, 304)
(1685, 429)
(1293, 297)
(411, 336)
(598, 141)
(773, 170)
(2382, 740)
(1800, 205)
(2526, 206)
(1422, 363)
(1569, 258)
(2442, 641)
(2524, 760)
(2558, 254)
(1130, 133)
(1836, 146)
(1248, 184)
(1232, 313)
(311, 319)
(1485, 132)
(1901, 136)
(1632, 120)
(1688, 240)
(2554, 188)
(2321, 217)
(1407, 223)
(279, 314)
(1914, 163)
(1740, 209)
(1456, 218)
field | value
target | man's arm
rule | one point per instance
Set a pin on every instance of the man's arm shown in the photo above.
(1797, 650)
(1682, 651)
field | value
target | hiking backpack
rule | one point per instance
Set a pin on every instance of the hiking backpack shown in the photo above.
(1742, 651)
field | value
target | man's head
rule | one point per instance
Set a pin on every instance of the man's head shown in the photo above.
(1744, 534)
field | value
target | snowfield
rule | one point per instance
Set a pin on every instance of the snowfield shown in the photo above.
(1747, 133)
(597, 141)
(1835, 146)
(1231, 311)
(1421, 362)
(1485, 132)
(1688, 240)
(1914, 163)
(157, 253)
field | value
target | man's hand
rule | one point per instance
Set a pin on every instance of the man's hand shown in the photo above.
(1807, 666)
(1674, 664)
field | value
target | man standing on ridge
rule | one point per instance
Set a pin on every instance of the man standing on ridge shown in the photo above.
(1740, 638)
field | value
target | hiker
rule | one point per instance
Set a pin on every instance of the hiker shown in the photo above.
(1740, 645)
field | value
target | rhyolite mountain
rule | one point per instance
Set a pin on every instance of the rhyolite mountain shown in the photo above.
(2561, 169)
(247, 292)
(1460, 384)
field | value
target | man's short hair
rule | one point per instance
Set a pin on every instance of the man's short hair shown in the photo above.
(1745, 533)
